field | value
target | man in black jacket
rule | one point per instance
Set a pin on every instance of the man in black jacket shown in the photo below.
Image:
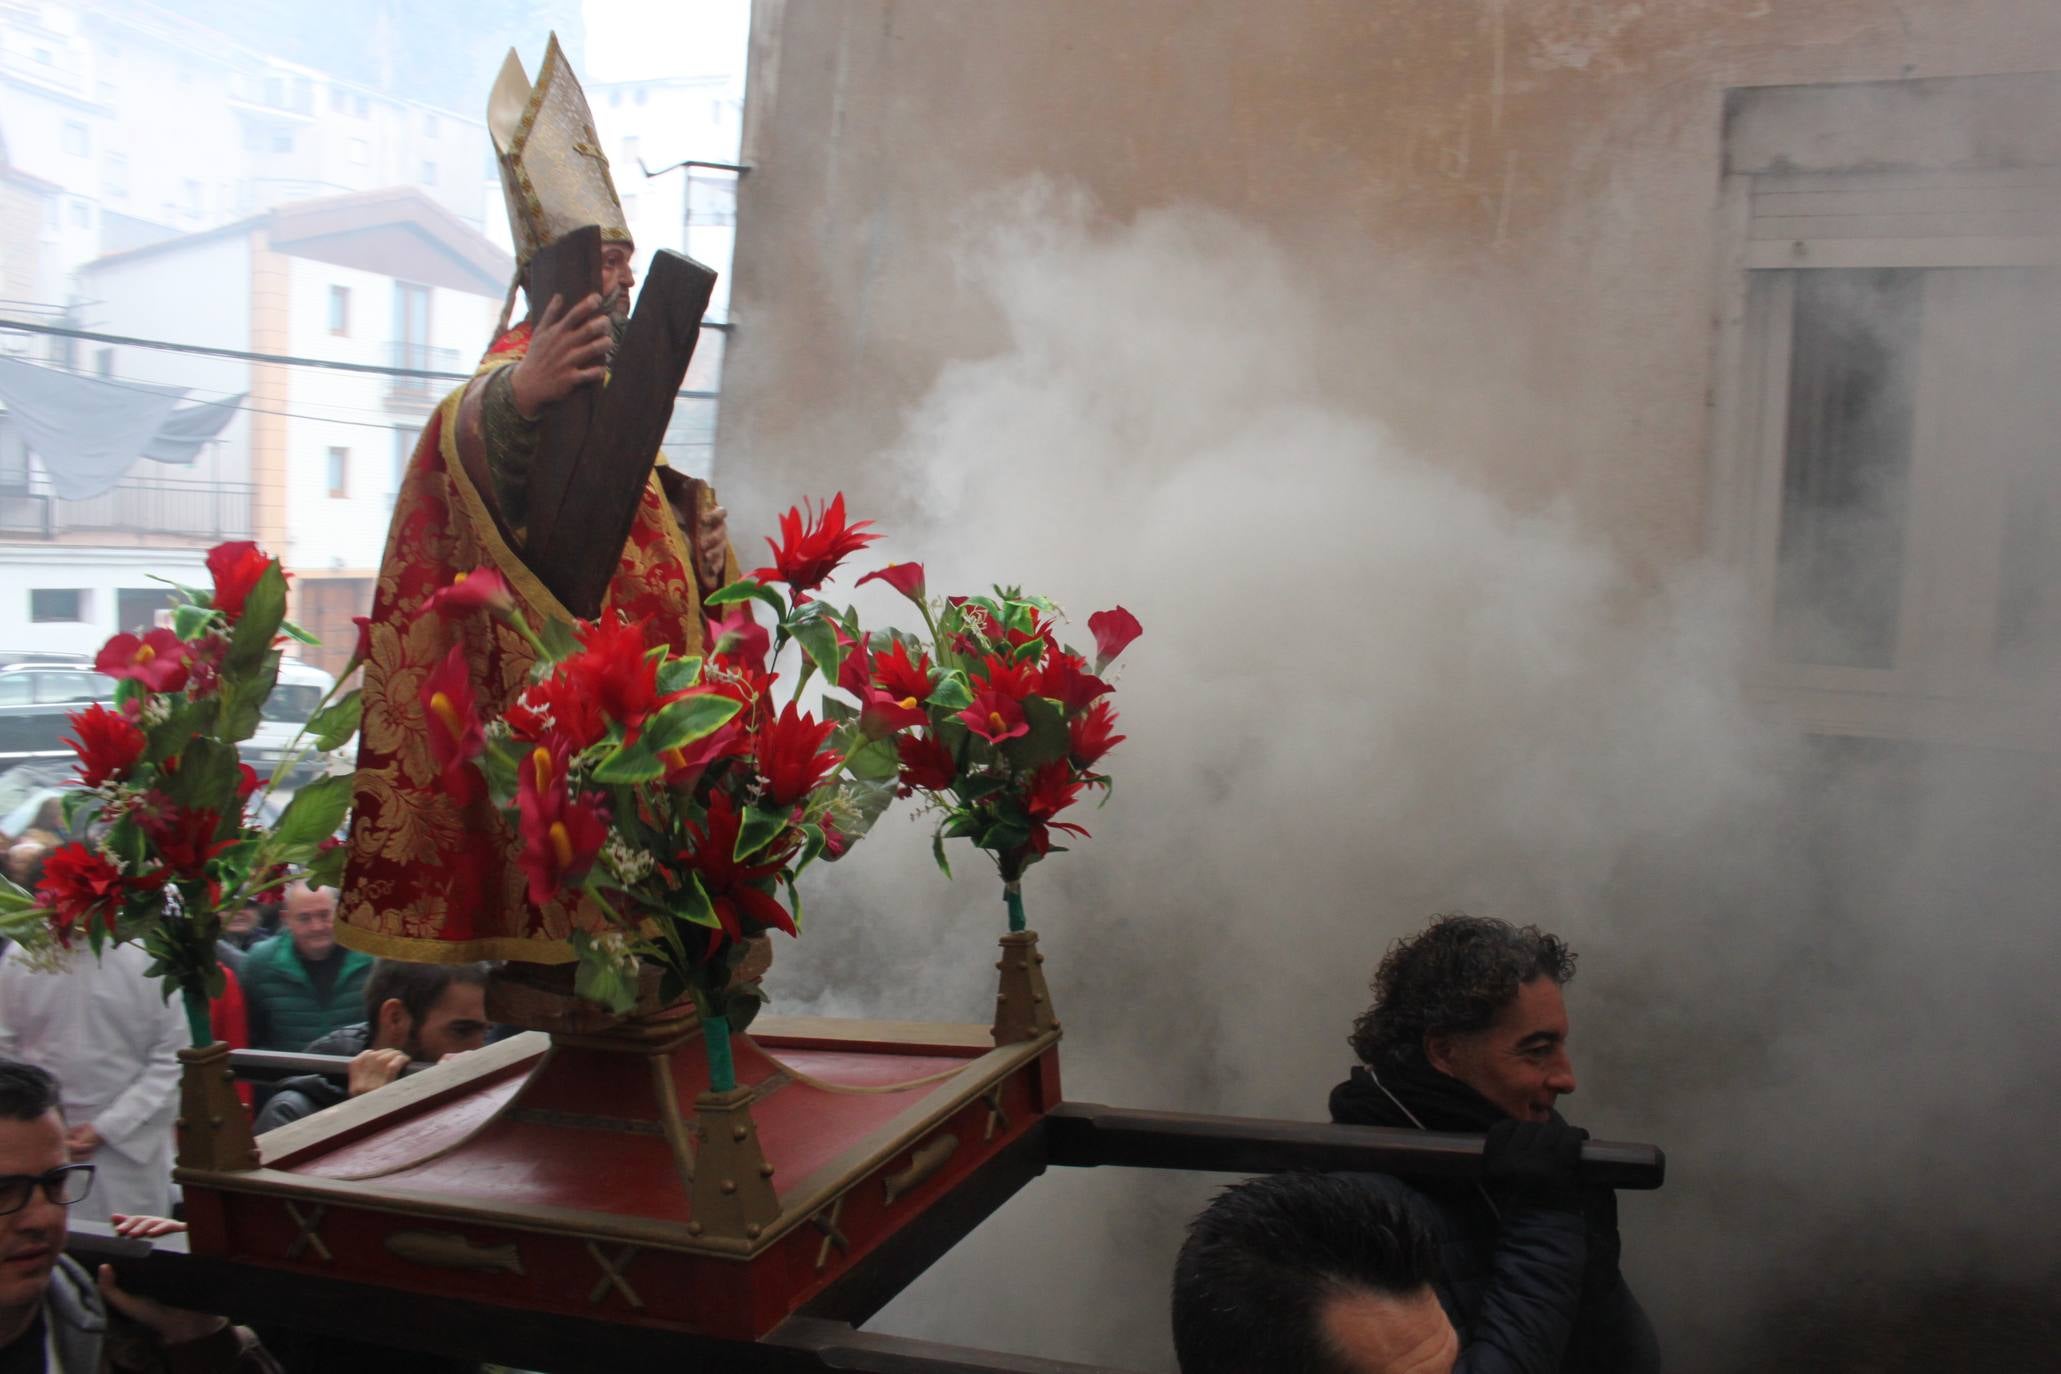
(413, 1013)
(1468, 1032)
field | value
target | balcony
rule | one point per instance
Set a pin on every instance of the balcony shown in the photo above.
(172, 507)
(419, 395)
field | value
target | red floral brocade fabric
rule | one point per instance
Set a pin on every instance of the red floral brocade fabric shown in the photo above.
(429, 879)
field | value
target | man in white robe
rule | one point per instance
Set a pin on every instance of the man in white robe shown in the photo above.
(110, 1037)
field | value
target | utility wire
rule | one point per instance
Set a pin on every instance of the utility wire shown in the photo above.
(282, 359)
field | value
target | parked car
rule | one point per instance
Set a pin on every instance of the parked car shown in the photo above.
(36, 702)
(299, 691)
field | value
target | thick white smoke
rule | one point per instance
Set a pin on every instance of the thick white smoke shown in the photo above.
(1368, 691)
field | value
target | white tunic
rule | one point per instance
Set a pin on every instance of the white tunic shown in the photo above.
(112, 1039)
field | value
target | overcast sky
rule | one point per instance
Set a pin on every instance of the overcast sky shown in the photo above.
(634, 40)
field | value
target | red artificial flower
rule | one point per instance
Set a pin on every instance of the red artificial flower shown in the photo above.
(204, 663)
(1063, 680)
(853, 670)
(808, 552)
(908, 683)
(1088, 735)
(183, 837)
(558, 710)
(734, 635)
(1012, 680)
(236, 567)
(881, 714)
(749, 687)
(451, 721)
(685, 763)
(835, 841)
(1053, 788)
(926, 763)
(560, 836)
(364, 649)
(470, 591)
(1113, 629)
(906, 578)
(247, 782)
(79, 886)
(736, 890)
(995, 717)
(107, 743)
(789, 756)
(157, 660)
(612, 668)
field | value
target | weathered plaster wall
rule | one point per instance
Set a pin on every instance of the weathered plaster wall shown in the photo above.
(1516, 203)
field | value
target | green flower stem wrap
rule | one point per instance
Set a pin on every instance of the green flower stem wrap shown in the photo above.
(197, 1020)
(1012, 897)
(715, 1034)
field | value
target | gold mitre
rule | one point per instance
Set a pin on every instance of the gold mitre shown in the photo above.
(554, 175)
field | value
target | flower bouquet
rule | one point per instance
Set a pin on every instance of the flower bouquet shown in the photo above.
(671, 792)
(174, 846)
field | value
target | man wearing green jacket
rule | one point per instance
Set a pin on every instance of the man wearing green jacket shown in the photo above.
(305, 985)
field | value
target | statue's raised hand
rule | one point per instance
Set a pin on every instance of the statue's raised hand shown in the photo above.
(568, 348)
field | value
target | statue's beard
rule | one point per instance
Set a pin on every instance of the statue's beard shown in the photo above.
(616, 305)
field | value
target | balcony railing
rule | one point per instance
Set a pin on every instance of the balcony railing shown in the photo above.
(421, 393)
(135, 505)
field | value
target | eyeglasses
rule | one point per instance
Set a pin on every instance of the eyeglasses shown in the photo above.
(64, 1185)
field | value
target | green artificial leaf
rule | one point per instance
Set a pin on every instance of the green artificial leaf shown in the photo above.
(598, 978)
(741, 1008)
(691, 903)
(874, 760)
(558, 639)
(182, 723)
(338, 721)
(630, 763)
(812, 847)
(207, 777)
(14, 897)
(937, 851)
(313, 815)
(192, 594)
(76, 801)
(749, 589)
(980, 785)
(1027, 651)
(839, 710)
(189, 620)
(499, 762)
(1004, 836)
(685, 721)
(952, 693)
(678, 674)
(243, 696)
(756, 829)
(326, 869)
(865, 803)
(1047, 739)
(963, 825)
(794, 903)
(294, 631)
(818, 640)
(263, 610)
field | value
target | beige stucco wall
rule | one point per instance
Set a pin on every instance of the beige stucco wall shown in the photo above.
(1536, 184)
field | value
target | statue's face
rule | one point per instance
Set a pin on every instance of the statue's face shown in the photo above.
(617, 279)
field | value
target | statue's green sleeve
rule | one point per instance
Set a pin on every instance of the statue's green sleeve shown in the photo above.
(511, 448)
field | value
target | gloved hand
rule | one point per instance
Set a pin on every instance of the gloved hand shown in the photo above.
(1535, 1164)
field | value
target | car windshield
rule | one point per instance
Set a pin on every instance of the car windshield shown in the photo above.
(292, 702)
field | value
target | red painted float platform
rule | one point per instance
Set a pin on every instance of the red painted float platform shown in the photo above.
(544, 1176)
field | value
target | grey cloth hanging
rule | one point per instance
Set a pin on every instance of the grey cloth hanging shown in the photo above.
(87, 432)
(180, 438)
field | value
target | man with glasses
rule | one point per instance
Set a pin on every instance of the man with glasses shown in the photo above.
(54, 1319)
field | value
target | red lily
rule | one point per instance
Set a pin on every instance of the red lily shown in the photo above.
(184, 838)
(733, 634)
(1062, 679)
(236, 568)
(995, 717)
(79, 886)
(247, 782)
(469, 591)
(809, 552)
(1053, 789)
(1113, 630)
(736, 890)
(789, 756)
(157, 660)
(906, 578)
(1088, 735)
(560, 836)
(926, 763)
(364, 649)
(881, 713)
(108, 745)
(685, 763)
(451, 720)
(612, 668)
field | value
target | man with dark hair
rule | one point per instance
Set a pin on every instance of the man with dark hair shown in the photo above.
(1310, 1274)
(413, 1012)
(1468, 1032)
(52, 1315)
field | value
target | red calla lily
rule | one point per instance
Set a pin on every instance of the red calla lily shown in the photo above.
(995, 717)
(906, 578)
(451, 722)
(1113, 629)
(157, 659)
(470, 591)
(734, 635)
(560, 835)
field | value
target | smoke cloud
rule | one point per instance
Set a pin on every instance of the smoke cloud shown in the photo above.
(1818, 972)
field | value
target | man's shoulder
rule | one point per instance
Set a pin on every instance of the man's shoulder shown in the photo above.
(343, 1040)
(73, 1299)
